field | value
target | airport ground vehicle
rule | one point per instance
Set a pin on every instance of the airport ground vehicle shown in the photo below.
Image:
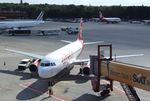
(72, 30)
(54, 31)
(19, 32)
(24, 63)
(63, 28)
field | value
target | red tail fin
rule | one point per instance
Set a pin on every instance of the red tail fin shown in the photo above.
(80, 30)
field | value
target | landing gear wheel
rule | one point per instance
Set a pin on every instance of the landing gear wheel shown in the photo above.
(106, 92)
(102, 93)
(80, 71)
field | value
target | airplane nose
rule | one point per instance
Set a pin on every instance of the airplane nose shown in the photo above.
(45, 72)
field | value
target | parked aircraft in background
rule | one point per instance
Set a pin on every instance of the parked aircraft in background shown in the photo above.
(108, 19)
(146, 21)
(17, 24)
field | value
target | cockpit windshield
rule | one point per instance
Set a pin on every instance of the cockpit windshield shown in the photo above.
(46, 64)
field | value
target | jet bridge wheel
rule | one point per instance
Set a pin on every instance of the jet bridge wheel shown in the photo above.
(105, 92)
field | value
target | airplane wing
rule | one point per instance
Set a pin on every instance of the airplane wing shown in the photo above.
(26, 53)
(81, 61)
(114, 57)
(66, 41)
(126, 56)
(96, 42)
(76, 61)
(86, 43)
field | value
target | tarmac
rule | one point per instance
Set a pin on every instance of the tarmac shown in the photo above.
(126, 39)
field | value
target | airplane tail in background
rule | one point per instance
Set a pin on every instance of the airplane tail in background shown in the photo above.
(100, 15)
(79, 37)
(40, 17)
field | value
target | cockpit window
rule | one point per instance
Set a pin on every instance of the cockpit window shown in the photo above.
(42, 64)
(53, 64)
(48, 64)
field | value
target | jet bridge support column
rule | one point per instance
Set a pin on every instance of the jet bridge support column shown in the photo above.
(96, 82)
(101, 58)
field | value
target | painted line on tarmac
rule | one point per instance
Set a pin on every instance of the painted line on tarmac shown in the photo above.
(6, 88)
(55, 96)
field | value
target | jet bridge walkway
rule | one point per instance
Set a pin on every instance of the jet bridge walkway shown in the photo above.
(128, 75)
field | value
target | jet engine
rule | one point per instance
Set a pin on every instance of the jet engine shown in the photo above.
(34, 65)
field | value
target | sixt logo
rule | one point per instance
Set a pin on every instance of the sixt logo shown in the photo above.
(139, 78)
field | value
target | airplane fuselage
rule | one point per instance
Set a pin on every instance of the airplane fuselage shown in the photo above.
(18, 24)
(112, 19)
(146, 21)
(56, 61)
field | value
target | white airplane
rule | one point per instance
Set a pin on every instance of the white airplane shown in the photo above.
(51, 64)
(146, 21)
(17, 24)
(110, 19)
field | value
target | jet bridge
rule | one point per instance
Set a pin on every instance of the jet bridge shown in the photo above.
(127, 74)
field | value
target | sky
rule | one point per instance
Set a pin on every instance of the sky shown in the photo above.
(85, 2)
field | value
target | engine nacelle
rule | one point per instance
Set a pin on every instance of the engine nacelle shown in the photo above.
(34, 65)
(33, 68)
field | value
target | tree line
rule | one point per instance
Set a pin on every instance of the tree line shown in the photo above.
(77, 11)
